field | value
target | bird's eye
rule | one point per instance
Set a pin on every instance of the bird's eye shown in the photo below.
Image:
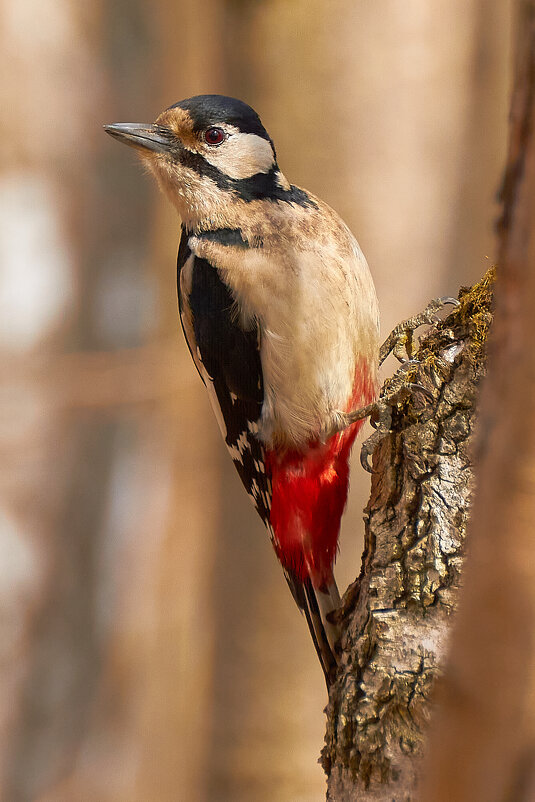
(214, 136)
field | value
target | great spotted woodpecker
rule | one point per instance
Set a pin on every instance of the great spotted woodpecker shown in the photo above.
(280, 315)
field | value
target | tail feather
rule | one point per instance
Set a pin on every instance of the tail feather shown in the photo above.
(317, 605)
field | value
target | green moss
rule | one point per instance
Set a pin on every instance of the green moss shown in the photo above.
(470, 321)
(475, 312)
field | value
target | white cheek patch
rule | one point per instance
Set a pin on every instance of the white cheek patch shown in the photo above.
(241, 155)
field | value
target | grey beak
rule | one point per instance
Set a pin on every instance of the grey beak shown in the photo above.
(144, 136)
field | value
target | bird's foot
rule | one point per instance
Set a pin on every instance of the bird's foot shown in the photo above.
(400, 341)
(399, 388)
(381, 417)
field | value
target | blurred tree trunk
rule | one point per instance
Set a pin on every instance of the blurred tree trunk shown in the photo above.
(56, 468)
(399, 612)
(486, 725)
(108, 543)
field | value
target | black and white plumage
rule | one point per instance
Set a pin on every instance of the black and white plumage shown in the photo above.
(227, 357)
(280, 315)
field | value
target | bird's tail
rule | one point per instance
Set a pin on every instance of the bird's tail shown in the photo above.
(317, 606)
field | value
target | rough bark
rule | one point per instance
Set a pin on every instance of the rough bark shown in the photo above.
(398, 613)
(486, 725)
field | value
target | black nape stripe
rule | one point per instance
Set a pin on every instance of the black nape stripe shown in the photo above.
(265, 185)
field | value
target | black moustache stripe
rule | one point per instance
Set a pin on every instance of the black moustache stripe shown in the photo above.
(255, 187)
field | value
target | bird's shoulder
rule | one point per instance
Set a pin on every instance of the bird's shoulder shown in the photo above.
(269, 251)
(301, 222)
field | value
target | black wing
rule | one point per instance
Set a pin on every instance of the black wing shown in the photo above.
(228, 360)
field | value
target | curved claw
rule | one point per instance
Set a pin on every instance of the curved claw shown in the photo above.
(364, 459)
(400, 340)
(447, 299)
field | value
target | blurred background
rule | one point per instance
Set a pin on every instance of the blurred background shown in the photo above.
(150, 649)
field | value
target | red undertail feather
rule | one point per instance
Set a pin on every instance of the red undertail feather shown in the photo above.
(309, 493)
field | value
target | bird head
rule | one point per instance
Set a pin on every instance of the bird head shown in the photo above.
(208, 153)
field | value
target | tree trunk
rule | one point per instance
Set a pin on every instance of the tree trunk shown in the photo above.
(398, 614)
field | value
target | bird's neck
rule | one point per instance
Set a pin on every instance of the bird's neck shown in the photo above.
(200, 210)
(203, 204)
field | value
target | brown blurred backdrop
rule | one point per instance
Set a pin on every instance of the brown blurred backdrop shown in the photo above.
(150, 648)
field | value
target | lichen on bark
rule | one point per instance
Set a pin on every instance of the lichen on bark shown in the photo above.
(398, 613)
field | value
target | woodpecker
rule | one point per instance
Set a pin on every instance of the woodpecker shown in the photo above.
(280, 315)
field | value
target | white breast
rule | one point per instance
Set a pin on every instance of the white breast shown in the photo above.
(314, 330)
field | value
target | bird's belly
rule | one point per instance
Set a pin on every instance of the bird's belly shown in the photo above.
(305, 389)
(309, 491)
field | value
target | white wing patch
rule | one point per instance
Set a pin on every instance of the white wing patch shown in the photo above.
(189, 333)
